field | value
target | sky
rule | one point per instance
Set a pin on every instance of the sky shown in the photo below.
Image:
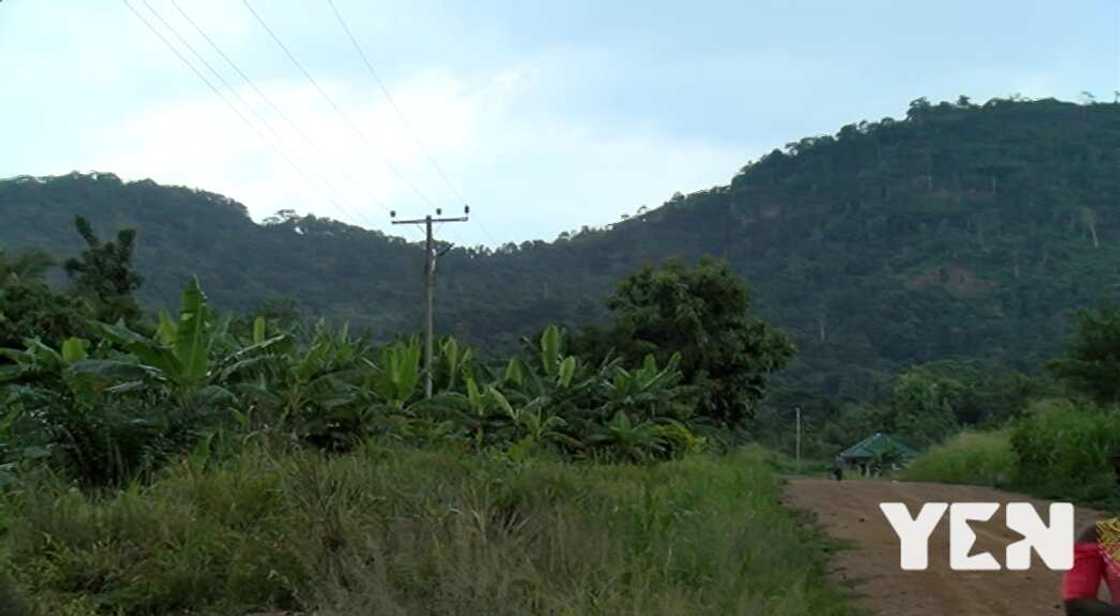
(543, 116)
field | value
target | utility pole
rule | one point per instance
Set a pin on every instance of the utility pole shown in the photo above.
(798, 409)
(430, 256)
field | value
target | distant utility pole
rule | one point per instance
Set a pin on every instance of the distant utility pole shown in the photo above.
(798, 409)
(430, 281)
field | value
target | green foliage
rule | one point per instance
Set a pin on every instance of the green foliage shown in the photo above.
(699, 316)
(1058, 449)
(922, 405)
(1065, 449)
(114, 409)
(1092, 362)
(399, 374)
(959, 230)
(29, 308)
(396, 530)
(104, 274)
(979, 458)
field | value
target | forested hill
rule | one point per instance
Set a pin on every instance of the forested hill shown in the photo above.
(959, 231)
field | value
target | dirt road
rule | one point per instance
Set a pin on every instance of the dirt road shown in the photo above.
(849, 511)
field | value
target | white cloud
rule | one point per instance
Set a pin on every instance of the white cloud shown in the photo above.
(542, 175)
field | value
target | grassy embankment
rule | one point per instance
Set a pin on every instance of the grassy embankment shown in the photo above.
(406, 531)
(1057, 450)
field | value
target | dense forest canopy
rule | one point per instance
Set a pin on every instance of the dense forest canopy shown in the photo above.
(959, 231)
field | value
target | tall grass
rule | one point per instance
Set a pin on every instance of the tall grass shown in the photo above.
(981, 458)
(1057, 449)
(400, 531)
(1063, 451)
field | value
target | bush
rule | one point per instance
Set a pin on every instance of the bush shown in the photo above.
(404, 531)
(982, 458)
(1064, 449)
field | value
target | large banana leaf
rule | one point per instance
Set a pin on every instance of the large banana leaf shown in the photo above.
(398, 372)
(260, 327)
(550, 349)
(149, 352)
(74, 349)
(192, 339)
(112, 371)
(566, 371)
(253, 356)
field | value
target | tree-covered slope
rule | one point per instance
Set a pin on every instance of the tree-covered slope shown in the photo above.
(959, 231)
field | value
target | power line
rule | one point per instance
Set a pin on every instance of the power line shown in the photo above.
(225, 100)
(353, 126)
(303, 135)
(400, 113)
(389, 97)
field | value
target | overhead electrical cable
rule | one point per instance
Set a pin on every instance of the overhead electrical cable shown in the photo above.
(420, 146)
(233, 107)
(260, 93)
(334, 105)
(393, 103)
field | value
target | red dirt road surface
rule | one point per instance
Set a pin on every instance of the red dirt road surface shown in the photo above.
(849, 511)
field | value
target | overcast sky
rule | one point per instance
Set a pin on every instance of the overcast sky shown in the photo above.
(544, 116)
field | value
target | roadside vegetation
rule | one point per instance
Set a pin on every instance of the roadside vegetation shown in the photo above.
(398, 530)
(1059, 447)
(217, 464)
(981, 458)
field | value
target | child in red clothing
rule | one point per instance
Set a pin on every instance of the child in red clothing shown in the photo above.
(1096, 559)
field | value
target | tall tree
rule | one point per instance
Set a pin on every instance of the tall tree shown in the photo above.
(703, 313)
(1092, 361)
(103, 274)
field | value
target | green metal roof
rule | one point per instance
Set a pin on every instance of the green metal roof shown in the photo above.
(876, 444)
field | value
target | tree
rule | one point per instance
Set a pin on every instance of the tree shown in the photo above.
(28, 266)
(28, 307)
(702, 313)
(1092, 361)
(923, 406)
(103, 274)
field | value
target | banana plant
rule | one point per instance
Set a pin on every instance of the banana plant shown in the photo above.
(38, 358)
(324, 375)
(533, 422)
(558, 367)
(395, 377)
(515, 372)
(484, 420)
(68, 370)
(648, 391)
(454, 362)
(551, 340)
(180, 350)
(636, 441)
(182, 354)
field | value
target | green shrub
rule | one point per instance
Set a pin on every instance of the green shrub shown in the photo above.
(983, 458)
(1063, 450)
(391, 530)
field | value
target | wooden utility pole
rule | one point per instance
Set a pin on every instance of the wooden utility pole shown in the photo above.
(430, 256)
(798, 438)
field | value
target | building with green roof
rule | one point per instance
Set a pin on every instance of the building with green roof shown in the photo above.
(877, 447)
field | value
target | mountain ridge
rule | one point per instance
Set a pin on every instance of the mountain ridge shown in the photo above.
(961, 230)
